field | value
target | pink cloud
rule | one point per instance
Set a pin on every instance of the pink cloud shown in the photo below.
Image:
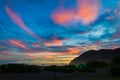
(86, 11)
(54, 42)
(62, 16)
(5, 52)
(36, 45)
(18, 44)
(2, 58)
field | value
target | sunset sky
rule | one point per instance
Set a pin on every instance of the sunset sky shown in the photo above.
(56, 31)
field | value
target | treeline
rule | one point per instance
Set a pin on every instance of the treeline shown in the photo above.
(113, 67)
(25, 68)
(20, 68)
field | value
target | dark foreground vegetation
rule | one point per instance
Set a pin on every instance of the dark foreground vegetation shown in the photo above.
(21, 68)
(93, 66)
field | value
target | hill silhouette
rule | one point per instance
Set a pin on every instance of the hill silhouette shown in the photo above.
(104, 55)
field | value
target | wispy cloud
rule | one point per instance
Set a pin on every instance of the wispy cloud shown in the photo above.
(17, 20)
(17, 44)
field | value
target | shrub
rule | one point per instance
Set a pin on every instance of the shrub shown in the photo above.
(60, 68)
(116, 60)
(115, 68)
(97, 64)
(86, 69)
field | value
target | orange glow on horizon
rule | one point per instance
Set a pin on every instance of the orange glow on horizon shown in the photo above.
(49, 56)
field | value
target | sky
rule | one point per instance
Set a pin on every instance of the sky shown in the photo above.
(56, 31)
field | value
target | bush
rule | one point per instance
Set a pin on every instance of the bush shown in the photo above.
(60, 68)
(116, 60)
(115, 68)
(97, 64)
(86, 69)
(80, 66)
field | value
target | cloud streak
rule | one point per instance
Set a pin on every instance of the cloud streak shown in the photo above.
(17, 20)
(17, 44)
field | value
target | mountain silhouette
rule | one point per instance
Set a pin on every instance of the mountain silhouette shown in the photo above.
(102, 55)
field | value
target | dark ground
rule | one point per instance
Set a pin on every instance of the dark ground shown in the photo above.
(40, 76)
(59, 76)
